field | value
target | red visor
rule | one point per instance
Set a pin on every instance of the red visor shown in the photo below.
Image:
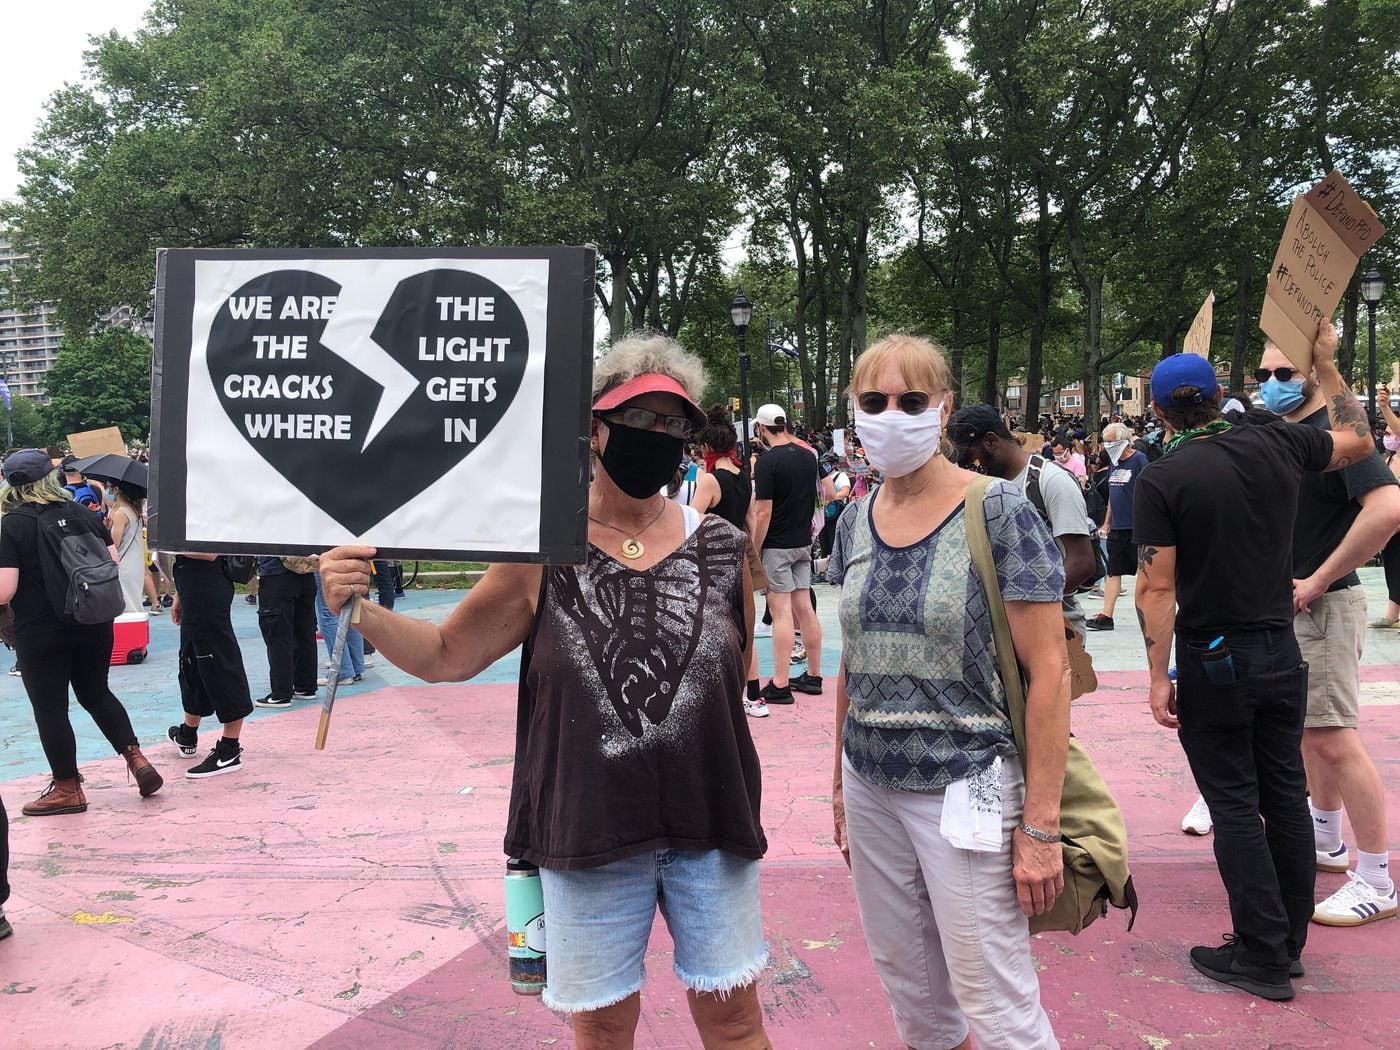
(650, 383)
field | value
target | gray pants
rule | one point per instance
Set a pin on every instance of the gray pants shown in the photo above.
(943, 924)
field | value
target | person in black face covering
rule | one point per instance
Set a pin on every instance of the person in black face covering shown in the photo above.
(636, 779)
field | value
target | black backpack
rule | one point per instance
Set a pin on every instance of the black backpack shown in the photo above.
(1033, 494)
(82, 581)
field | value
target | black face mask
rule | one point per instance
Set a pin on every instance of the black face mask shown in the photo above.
(640, 462)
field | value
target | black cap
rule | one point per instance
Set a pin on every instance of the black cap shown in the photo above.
(972, 423)
(26, 466)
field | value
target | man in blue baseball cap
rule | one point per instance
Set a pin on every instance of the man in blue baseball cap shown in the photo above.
(1221, 496)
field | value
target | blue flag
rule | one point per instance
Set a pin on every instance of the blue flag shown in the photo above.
(5, 394)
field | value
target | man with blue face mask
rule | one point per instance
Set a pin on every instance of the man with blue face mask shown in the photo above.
(1343, 519)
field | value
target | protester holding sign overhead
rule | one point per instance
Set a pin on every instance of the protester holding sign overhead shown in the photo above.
(1342, 519)
(1219, 494)
(56, 650)
(635, 775)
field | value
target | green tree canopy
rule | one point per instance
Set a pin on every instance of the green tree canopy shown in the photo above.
(100, 381)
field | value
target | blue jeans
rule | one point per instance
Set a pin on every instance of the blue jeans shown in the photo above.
(353, 660)
(598, 920)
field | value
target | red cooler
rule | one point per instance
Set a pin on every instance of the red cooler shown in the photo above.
(131, 634)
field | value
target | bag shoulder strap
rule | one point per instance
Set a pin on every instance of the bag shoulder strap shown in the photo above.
(1033, 472)
(980, 545)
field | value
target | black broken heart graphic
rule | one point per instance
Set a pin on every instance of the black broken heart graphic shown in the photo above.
(308, 415)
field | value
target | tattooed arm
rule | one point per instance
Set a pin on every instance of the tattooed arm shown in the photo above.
(1156, 611)
(1351, 433)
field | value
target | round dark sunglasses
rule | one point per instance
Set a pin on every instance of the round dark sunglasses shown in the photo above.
(1283, 375)
(911, 402)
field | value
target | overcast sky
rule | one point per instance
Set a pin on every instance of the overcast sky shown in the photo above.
(44, 45)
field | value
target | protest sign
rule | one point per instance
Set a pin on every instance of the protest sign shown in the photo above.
(428, 402)
(1329, 228)
(838, 441)
(96, 442)
(1198, 337)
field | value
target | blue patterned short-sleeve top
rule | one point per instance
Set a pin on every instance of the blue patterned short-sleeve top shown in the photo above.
(926, 705)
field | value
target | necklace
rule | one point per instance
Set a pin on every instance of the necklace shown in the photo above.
(632, 548)
(1215, 426)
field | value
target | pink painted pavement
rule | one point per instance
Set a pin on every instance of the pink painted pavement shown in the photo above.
(352, 898)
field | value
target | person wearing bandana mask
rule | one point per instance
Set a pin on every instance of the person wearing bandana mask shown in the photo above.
(636, 779)
(1127, 464)
(1342, 520)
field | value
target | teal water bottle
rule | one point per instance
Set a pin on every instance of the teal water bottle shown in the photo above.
(525, 927)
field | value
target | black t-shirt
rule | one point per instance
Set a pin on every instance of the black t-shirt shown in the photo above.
(1227, 503)
(787, 475)
(19, 549)
(1327, 507)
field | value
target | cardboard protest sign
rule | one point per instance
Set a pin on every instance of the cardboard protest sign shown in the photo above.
(1198, 336)
(96, 442)
(428, 402)
(1329, 229)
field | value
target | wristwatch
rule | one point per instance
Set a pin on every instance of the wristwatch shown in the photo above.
(1037, 834)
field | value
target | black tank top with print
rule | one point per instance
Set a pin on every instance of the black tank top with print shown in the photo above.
(631, 734)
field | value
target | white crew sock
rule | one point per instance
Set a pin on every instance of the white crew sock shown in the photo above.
(1327, 828)
(1375, 869)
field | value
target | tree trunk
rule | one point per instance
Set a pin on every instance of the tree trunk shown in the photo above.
(617, 313)
(1346, 349)
(1244, 320)
(1040, 316)
(991, 390)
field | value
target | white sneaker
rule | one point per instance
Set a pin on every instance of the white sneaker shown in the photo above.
(369, 661)
(755, 709)
(1338, 861)
(1197, 821)
(799, 653)
(762, 630)
(1355, 904)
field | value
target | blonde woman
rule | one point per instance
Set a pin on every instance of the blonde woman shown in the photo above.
(631, 684)
(53, 652)
(951, 837)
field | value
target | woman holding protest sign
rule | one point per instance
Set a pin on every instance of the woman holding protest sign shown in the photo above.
(54, 650)
(632, 683)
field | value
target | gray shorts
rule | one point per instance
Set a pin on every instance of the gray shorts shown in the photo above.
(1330, 638)
(788, 570)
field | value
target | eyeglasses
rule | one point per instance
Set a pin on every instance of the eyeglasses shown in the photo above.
(1283, 375)
(911, 402)
(646, 419)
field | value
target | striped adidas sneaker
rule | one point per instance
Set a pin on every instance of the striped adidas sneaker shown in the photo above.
(1337, 861)
(1355, 904)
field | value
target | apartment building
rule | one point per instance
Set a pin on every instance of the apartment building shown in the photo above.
(29, 338)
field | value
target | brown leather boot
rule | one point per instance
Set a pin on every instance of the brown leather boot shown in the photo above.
(148, 781)
(61, 796)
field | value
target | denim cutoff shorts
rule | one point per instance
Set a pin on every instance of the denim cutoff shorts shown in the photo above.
(597, 923)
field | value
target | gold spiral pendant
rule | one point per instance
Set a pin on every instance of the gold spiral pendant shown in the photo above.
(632, 548)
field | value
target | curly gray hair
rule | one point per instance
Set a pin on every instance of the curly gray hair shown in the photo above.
(641, 353)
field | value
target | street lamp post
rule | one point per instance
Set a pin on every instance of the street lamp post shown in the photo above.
(1372, 288)
(741, 313)
(772, 394)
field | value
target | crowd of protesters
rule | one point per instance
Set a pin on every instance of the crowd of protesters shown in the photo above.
(648, 652)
